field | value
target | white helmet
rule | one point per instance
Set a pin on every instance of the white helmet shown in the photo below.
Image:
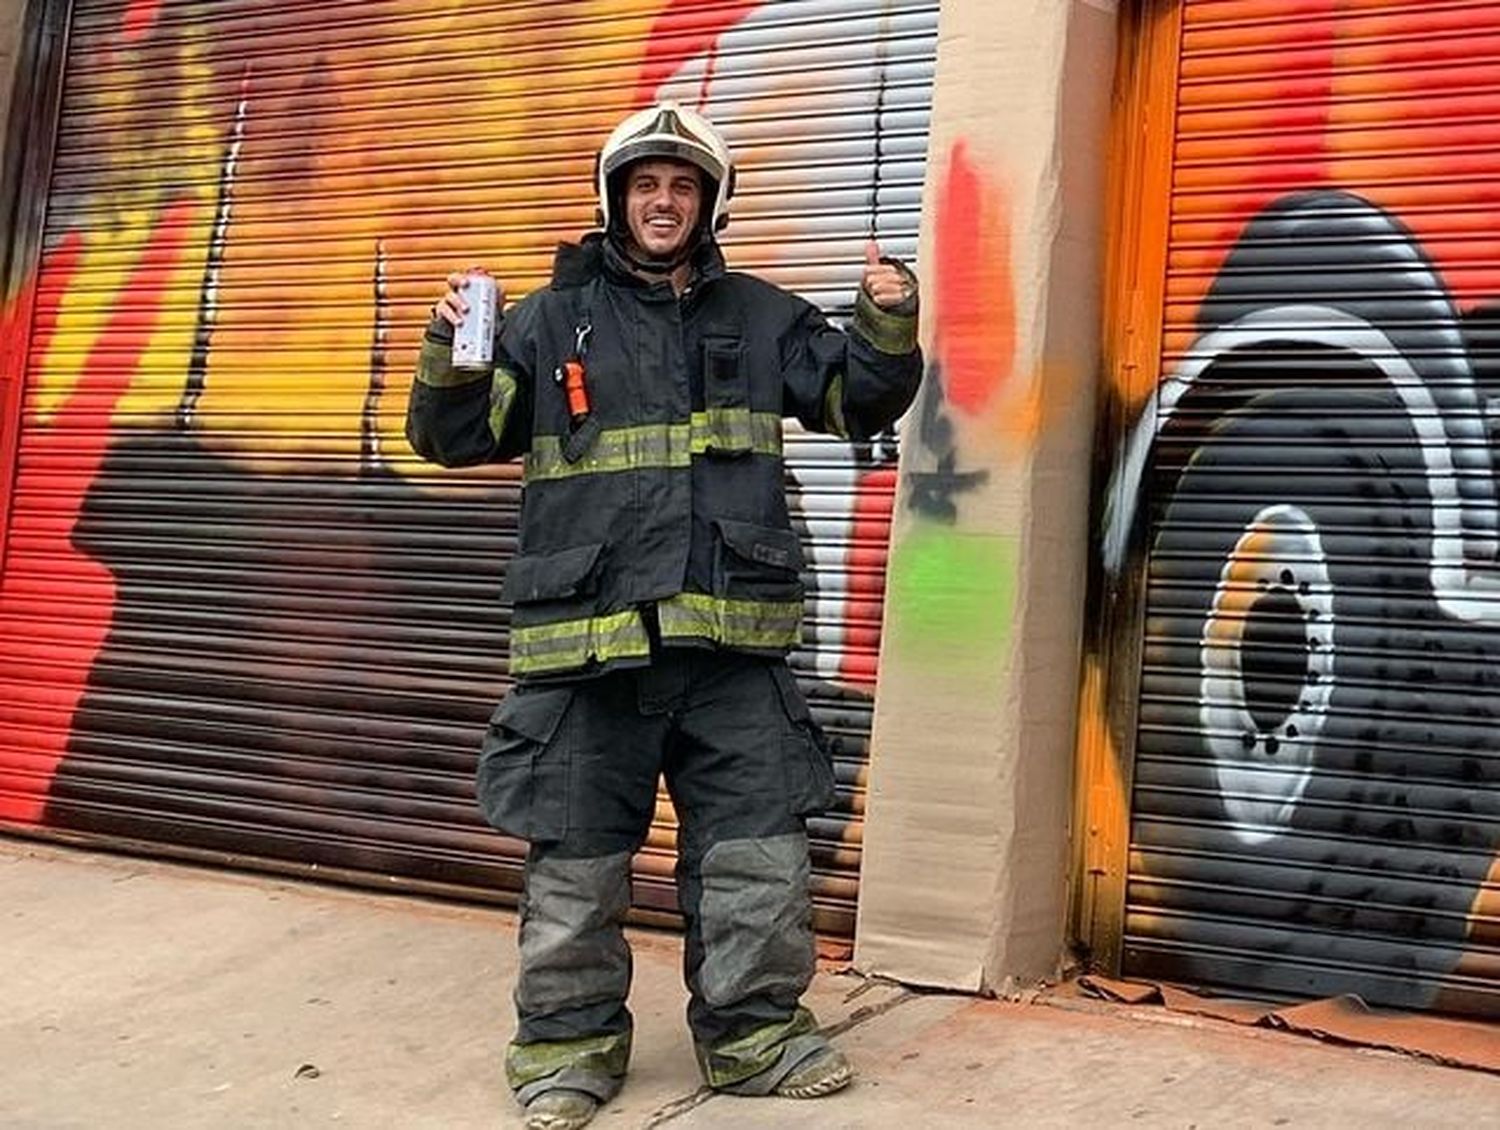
(674, 132)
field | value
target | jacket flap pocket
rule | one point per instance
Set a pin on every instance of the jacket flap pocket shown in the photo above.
(549, 576)
(533, 713)
(764, 545)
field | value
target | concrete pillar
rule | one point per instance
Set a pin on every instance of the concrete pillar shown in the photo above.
(11, 13)
(966, 835)
(12, 19)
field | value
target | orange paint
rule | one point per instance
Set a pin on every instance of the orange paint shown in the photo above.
(1480, 962)
(1484, 915)
(1102, 815)
(976, 309)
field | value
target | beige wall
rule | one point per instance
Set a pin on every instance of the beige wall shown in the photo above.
(11, 13)
(966, 842)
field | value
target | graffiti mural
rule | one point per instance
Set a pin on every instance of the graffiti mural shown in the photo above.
(236, 613)
(1316, 798)
(953, 584)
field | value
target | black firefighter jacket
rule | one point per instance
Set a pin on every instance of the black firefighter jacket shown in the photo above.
(668, 501)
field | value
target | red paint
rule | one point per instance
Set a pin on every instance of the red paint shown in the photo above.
(1293, 117)
(39, 312)
(976, 309)
(58, 268)
(874, 499)
(70, 449)
(140, 18)
(684, 30)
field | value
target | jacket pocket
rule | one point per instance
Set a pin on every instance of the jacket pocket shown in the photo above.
(757, 562)
(535, 578)
(726, 395)
(806, 758)
(524, 765)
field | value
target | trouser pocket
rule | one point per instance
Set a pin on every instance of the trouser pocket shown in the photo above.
(524, 765)
(807, 760)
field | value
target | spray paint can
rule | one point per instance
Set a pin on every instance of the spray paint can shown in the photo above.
(474, 337)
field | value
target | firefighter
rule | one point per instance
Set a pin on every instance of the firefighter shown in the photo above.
(656, 592)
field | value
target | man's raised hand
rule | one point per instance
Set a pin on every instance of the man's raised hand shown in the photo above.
(885, 283)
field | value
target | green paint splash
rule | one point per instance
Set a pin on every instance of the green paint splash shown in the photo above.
(952, 598)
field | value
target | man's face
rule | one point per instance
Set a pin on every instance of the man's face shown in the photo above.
(662, 202)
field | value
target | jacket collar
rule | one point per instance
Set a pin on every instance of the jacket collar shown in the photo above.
(577, 263)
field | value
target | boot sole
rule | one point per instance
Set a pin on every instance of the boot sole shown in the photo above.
(837, 1081)
(556, 1122)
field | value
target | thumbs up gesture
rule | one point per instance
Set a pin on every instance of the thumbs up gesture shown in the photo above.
(887, 284)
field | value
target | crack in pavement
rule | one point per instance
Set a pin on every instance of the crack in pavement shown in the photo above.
(677, 1107)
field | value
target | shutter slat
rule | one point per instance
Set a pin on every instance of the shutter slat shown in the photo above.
(1316, 795)
(237, 614)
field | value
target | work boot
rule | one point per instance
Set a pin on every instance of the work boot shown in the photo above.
(560, 1110)
(822, 1073)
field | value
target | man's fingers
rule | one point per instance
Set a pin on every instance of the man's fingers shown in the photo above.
(452, 306)
(884, 277)
(445, 309)
(886, 285)
(872, 253)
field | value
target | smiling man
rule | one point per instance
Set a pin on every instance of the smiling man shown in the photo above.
(656, 594)
(662, 203)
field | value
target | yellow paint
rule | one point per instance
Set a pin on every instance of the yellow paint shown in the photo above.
(139, 163)
(103, 268)
(336, 160)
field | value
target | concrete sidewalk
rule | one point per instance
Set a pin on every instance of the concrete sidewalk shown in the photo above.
(143, 994)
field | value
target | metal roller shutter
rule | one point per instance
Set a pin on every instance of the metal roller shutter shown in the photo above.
(237, 614)
(1316, 803)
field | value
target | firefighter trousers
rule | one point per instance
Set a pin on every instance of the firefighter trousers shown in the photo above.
(572, 768)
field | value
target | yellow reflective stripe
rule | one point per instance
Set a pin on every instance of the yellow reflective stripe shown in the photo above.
(567, 644)
(502, 398)
(526, 1063)
(833, 408)
(733, 623)
(435, 367)
(617, 449)
(733, 1061)
(657, 446)
(736, 429)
